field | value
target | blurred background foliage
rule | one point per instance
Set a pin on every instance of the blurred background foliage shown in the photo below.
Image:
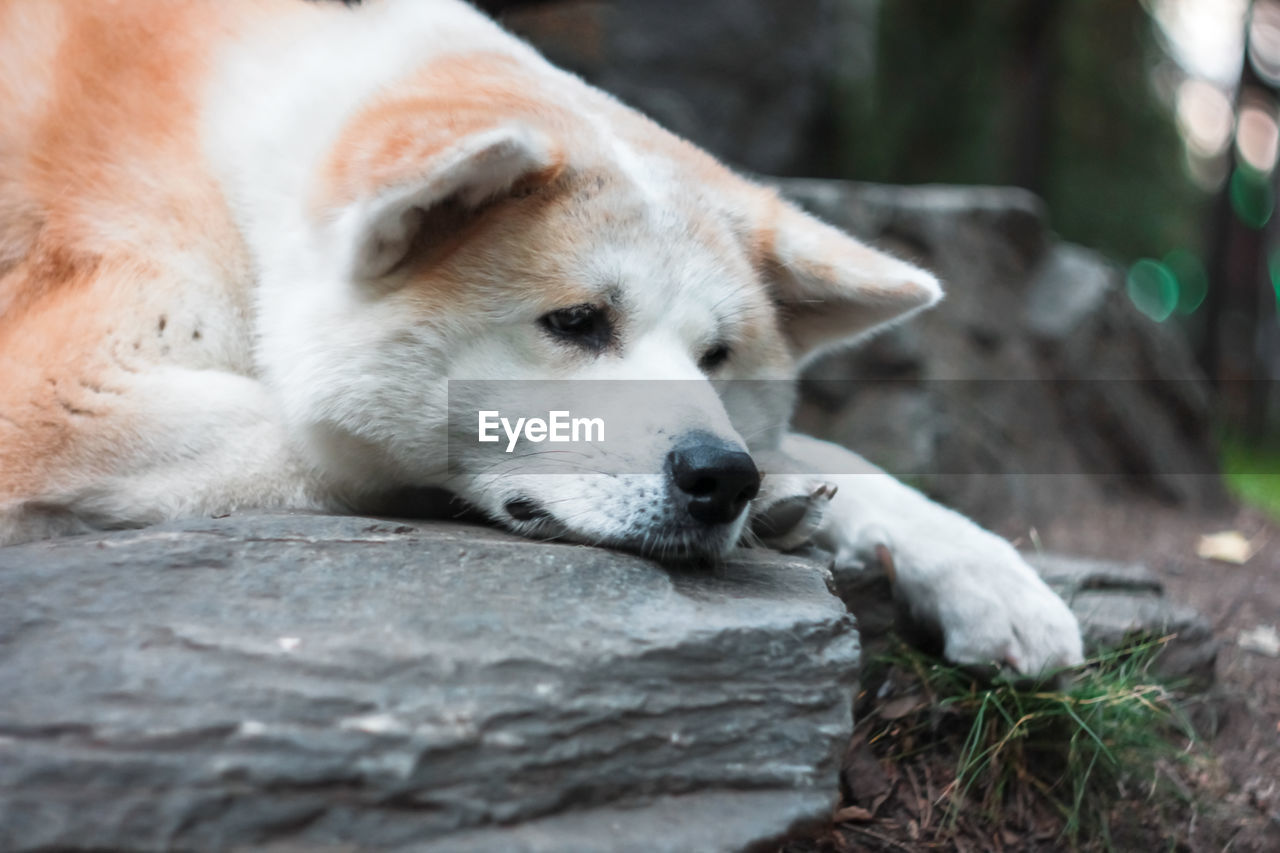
(1057, 97)
(1149, 129)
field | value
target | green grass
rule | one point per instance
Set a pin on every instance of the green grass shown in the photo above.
(1074, 747)
(1252, 472)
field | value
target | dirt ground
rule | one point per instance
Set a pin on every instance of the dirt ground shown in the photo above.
(1240, 717)
(1227, 799)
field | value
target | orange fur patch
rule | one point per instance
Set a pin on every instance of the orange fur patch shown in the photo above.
(398, 138)
(100, 170)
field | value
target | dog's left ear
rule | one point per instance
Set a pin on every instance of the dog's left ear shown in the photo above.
(408, 190)
(830, 288)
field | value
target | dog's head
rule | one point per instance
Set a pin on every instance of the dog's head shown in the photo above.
(495, 219)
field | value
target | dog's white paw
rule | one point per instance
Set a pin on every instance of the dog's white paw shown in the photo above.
(995, 608)
(989, 606)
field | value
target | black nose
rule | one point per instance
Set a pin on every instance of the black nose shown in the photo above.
(717, 478)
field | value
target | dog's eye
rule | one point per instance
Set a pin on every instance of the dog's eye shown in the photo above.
(587, 325)
(714, 357)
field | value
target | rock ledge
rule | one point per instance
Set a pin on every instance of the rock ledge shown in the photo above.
(334, 681)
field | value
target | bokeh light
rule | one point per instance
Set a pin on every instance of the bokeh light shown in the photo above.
(1193, 281)
(1252, 197)
(1205, 117)
(1205, 36)
(1153, 289)
(1257, 136)
(1273, 272)
(1264, 40)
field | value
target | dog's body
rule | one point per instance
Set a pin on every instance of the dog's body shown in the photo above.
(244, 243)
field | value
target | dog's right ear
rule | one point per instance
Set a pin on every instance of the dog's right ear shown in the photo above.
(391, 196)
(831, 289)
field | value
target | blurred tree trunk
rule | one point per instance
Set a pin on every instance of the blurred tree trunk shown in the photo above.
(1034, 96)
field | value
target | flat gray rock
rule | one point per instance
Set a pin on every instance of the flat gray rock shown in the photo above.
(1072, 286)
(1035, 364)
(1117, 602)
(309, 682)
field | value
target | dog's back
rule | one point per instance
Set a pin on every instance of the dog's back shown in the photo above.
(102, 163)
(110, 223)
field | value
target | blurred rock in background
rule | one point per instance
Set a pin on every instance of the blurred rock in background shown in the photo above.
(746, 79)
(1033, 390)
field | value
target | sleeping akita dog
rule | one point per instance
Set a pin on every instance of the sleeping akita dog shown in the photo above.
(244, 245)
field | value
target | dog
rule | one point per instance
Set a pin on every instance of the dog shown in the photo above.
(247, 248)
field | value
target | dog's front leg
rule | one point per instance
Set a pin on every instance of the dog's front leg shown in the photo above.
(966, 582)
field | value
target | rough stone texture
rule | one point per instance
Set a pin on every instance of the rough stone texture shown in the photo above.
(314, 681)
(1034, 389)
(1117, 601)
(1072, 285)
(745, 79)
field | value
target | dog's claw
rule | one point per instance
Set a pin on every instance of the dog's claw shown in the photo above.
(885, 558)
(824, 491)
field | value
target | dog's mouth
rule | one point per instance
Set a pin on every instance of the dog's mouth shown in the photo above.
(706, 544)
(525, 510)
